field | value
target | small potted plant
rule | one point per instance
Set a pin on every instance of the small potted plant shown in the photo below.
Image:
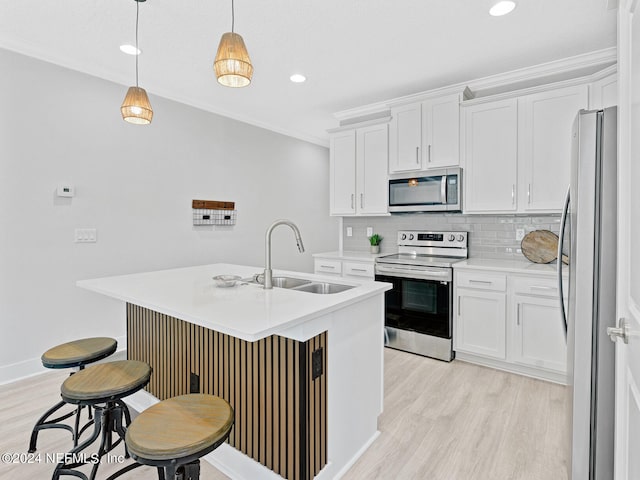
(375, 240)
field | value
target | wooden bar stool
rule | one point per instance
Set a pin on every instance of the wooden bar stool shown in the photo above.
(70, 355)
(102, 387)
(172, 435)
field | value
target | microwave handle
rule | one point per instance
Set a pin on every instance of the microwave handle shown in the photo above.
(443, 190)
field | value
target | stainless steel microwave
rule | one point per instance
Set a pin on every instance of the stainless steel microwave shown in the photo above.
(426, 191)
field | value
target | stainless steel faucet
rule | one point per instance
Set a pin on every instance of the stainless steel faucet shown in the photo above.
(268, 273)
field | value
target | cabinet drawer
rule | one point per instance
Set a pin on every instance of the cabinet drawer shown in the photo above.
(358, 269)
(547, 287)
(481, 280)
(328, 266)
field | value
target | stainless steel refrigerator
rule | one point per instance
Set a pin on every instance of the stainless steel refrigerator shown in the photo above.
(588, 235)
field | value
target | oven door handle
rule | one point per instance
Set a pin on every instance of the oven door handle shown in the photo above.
(403, 272)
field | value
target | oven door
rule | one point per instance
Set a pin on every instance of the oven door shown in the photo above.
(418, 305)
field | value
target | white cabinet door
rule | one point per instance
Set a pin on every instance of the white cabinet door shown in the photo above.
(441, 124)
(544, 146)
(480, 323)
(405, 138)
(538, 337)
(372, 157)
(490, 156)
(342, 167)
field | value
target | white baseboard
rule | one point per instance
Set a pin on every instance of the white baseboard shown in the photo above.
(33, 366)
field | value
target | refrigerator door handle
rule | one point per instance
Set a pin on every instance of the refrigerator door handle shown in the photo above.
(563, 219)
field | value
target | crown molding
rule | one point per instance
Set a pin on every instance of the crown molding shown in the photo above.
(592, 60)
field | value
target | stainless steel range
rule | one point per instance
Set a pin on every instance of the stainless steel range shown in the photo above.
(419, 307)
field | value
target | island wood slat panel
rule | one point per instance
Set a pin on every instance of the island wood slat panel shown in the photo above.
(280, 412)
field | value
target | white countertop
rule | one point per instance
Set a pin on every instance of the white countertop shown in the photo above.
(350, 255)
(245, 311)
(515, 266)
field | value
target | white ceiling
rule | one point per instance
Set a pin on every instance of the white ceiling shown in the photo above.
(353, 52)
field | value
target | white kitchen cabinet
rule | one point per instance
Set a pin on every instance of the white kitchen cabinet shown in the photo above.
(441, 132)
(425, 135)
(480, 314)
(490, 151)
(358, 163)
(510, 321)
(545, 120)
(405, 139)
(354, 265)
(538, 337)
(517, 151)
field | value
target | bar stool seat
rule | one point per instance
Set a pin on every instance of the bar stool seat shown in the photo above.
(172, 435)
(102, 387)
(77, 353)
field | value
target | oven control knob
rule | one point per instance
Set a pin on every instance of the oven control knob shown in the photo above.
(411, 236)
(452, 237)
(403, 236)
(461, 238)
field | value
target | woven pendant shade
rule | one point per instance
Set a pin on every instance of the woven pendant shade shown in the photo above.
(136, 107)
(232, 64)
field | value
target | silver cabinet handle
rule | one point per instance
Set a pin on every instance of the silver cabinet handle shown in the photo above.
(429, 153)
(362, 200)
(352, 196)
(485, 282)
(539, 287)
(513, 194)
(359, 269)
(328, 266)
(529, 194)
(518, 314)
(417, 154)
(458, 305)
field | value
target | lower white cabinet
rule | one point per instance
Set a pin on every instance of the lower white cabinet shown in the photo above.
(509, 321)
(481, 323)
(538, 339)
(344, 267)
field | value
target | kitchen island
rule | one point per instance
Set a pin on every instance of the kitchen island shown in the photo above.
(303, 371)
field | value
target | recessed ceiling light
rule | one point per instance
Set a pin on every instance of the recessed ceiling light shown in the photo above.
(298, 78)
(130, 49)
(502, 8)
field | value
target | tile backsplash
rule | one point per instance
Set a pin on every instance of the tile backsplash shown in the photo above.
(490, 236)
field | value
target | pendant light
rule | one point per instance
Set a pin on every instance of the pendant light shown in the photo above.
(136, 107)
(232, 64)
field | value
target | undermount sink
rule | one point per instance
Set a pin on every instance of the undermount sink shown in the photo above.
(323, 288)
(282, 282)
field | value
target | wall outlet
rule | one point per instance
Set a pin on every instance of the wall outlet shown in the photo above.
(86, 235)
(519, 234)
(65, 190)
(316, 363)
(349, 231)
(369, 231)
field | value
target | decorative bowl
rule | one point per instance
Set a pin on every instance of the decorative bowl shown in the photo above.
(225, 281)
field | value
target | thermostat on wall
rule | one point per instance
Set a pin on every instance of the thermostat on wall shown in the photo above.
(66, 190)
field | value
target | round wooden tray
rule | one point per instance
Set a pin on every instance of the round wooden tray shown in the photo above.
(541, 246)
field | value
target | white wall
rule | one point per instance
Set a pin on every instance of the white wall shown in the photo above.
(135, 185)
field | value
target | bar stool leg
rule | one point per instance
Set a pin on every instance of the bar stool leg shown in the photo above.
(42, 424)
(63, 468)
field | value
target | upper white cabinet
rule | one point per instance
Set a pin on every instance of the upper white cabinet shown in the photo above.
(517, 152)
(544, 146)
(490, 150)
(425, 135)
(358, 171)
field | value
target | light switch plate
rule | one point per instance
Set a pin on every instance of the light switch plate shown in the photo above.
(519, 234)
(349, 231)
(369, 231)
(65, 190)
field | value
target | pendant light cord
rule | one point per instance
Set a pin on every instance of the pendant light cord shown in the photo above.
(137, 49)
(232, 17)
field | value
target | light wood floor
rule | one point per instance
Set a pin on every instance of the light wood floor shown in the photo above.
(441, 422)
